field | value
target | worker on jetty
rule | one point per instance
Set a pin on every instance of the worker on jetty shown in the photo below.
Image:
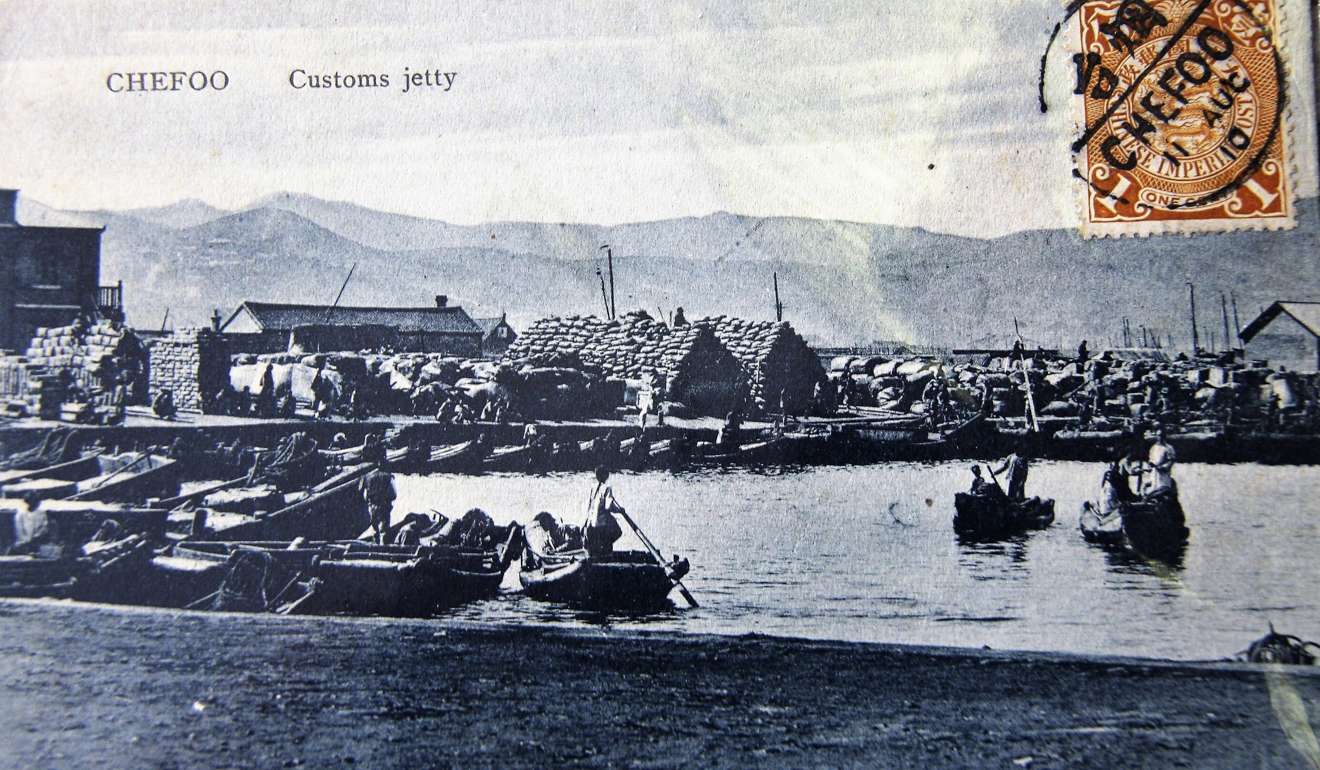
(266, 396)
(600, 530)
(318, 388)
(378, 493)
(163, 405)
(1016, 466)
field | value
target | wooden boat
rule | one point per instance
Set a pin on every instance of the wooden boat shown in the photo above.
(512, 459)
(80, 574)
(769, 451)
(454, 458)
(625, 580)
(991, 516)
(1155, 528)
(331, 510)
(129, 477)
(70, 470)
(353, 578)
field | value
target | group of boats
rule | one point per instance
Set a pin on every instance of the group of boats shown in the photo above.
(1152, 528)
(124, 528)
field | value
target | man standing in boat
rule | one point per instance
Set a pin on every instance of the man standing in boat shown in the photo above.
(377, 490)
(1159, 468)
(601, 529)
(1016, 466)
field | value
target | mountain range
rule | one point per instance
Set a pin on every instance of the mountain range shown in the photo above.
(840, 282)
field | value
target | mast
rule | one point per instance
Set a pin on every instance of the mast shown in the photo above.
(1228, 337)
(1196, 335)
(779, 306)
(609, 258)
(604, 298)
(1232, 297)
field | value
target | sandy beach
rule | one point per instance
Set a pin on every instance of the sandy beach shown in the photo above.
(95, 686)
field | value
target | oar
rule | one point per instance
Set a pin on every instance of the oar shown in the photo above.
(995, 479)
(655, 554)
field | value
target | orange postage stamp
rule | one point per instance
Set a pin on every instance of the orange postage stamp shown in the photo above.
(1183, 117)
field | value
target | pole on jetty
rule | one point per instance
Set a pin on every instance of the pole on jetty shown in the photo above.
(165, 320)
(1196, 336)
(779, 306)
(1026, 379)
(340, 295)
(1232, 297)
(609, 258)
(604, 298)
(1228, 337)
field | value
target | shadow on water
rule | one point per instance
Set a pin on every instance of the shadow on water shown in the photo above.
(1004, 558)
(1122, 560)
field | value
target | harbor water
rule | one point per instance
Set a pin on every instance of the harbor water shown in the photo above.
(868, 553)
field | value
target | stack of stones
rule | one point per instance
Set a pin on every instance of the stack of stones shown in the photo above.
(93, 359)
(193, 363)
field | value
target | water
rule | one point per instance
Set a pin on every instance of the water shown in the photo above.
(868, 553)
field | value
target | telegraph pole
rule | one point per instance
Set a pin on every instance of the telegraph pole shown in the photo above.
(1223, 306)
(609, 258)
(779, 306)
(1196, 336)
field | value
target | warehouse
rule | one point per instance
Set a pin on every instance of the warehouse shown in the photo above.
(1287, 334)
(269, 327)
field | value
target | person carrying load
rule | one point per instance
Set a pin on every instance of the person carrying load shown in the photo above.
(600, 530)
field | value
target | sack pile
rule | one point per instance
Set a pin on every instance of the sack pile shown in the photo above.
(193, 363)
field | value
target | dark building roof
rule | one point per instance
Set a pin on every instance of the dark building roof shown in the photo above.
(1305, 313)
(268, 316)
(489, 325)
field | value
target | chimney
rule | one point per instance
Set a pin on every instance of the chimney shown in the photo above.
(8, 208)
(441, 300)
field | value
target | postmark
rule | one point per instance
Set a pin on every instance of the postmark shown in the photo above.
(1181, 116)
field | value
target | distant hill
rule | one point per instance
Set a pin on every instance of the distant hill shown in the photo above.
(840, 281)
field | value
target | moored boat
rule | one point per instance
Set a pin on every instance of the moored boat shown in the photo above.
(1152, 527)
(991, 515)
(353, 578)
(623, 580)
(331, 510)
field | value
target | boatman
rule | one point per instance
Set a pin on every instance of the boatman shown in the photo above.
(600, 530)
(1159, 465)
(1015, 465)
(377, 490)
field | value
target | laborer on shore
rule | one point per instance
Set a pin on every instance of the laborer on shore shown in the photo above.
(266, 395)
(600, 530)
(378, 493)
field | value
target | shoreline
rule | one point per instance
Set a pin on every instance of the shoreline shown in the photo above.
(152, 687)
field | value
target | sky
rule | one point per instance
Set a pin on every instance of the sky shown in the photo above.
(887, 111)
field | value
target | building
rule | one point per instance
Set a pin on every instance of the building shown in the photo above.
(498, 335)
(1287, 334)
(49, 276)
(269, 327)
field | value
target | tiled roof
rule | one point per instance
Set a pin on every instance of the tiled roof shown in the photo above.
(270, 316)
(1305, 313)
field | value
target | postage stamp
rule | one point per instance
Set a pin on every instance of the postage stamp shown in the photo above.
(1182, 117)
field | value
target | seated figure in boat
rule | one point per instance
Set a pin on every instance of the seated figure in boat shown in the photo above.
(474, 529)
(980, 486)
(545, 535)
(600, 530)
(728, 435)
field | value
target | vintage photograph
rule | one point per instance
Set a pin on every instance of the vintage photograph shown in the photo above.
(698, 384)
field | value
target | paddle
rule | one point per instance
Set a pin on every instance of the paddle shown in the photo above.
(995, 479)
(655, 554)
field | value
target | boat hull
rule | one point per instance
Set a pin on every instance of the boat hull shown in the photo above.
(984, 516)
(1154, 528)
(628, 580)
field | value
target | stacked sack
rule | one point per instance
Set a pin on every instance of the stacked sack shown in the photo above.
(777, 362)
(193, 363)
(92, 359)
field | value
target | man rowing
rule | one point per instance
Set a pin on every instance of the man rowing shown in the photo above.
(1017, 467)
(600, 530)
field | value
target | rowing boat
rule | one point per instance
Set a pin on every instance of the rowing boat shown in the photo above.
(331, 510)
(1155, 528)
(993, 516)
(341, 578)
(627, 580)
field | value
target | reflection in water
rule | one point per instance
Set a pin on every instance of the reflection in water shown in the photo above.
(869, 553)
